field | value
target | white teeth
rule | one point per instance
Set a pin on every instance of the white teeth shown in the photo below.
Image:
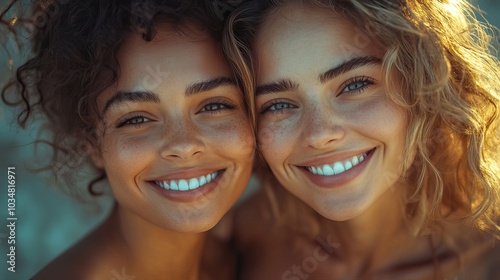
(173, 185)
(193, 184)
(347, 165)
(319, 170)
(327, 170)
(183, 185)
(354, 160)
(188, 183)
(336, 167)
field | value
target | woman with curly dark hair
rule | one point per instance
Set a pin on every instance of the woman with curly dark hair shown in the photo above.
(145, 87)
(380, 121)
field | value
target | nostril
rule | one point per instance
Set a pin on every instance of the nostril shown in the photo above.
(182, 150)
(319, 137)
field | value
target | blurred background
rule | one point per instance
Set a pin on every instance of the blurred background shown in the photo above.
(48, 221)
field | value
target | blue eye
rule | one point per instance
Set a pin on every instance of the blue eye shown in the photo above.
(276, 106)
(279, 106)
(357, 84)
(354, 86)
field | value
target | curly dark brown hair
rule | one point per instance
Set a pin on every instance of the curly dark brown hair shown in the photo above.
(74, 45)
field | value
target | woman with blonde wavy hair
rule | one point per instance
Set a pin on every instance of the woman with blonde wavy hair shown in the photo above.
(379, 119)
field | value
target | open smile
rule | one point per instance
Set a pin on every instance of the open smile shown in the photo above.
(187, 187)
(339, 172)
(188, 183)
(338, 167)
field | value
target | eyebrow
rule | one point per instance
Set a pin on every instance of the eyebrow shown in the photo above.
(133, 96)
(279, 86)
(148, 96)
(349, 65)
(209, 85)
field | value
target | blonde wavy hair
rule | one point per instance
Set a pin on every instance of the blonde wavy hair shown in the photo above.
(440, 67)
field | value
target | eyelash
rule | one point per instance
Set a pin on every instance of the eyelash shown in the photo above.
(128, 121)
(364, 80)
(220, 104)
(267, 107)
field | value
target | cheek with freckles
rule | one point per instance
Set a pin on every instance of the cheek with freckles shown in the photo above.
(267, 138)
(126, 156)
(276, 138)
(123, 151)
(235, 139)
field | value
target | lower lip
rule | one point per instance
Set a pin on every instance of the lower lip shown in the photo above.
(190, 195)
(341, 179)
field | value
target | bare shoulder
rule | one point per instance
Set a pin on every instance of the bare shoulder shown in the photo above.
(479, 253)
(81, 261)
(70, 265)
(483, 258)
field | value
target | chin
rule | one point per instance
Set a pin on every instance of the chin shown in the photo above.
(198, 227)
(339, 217)
(340, 213)
(192, 222)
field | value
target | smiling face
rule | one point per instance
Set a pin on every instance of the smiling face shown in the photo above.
(177, 146)
(326, 127)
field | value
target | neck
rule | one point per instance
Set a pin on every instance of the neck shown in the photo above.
(151, 252)
(366, 239)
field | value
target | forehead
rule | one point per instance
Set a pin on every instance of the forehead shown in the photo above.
(299, 34)
(189, 53)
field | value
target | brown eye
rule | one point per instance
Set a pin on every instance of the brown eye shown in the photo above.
(134, 121)
(214, 107)
(137, 120)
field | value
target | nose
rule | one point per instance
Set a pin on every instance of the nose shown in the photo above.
(321, 127)
(182, 141)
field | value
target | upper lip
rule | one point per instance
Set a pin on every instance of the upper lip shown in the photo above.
(333, 157)
(186, 173)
